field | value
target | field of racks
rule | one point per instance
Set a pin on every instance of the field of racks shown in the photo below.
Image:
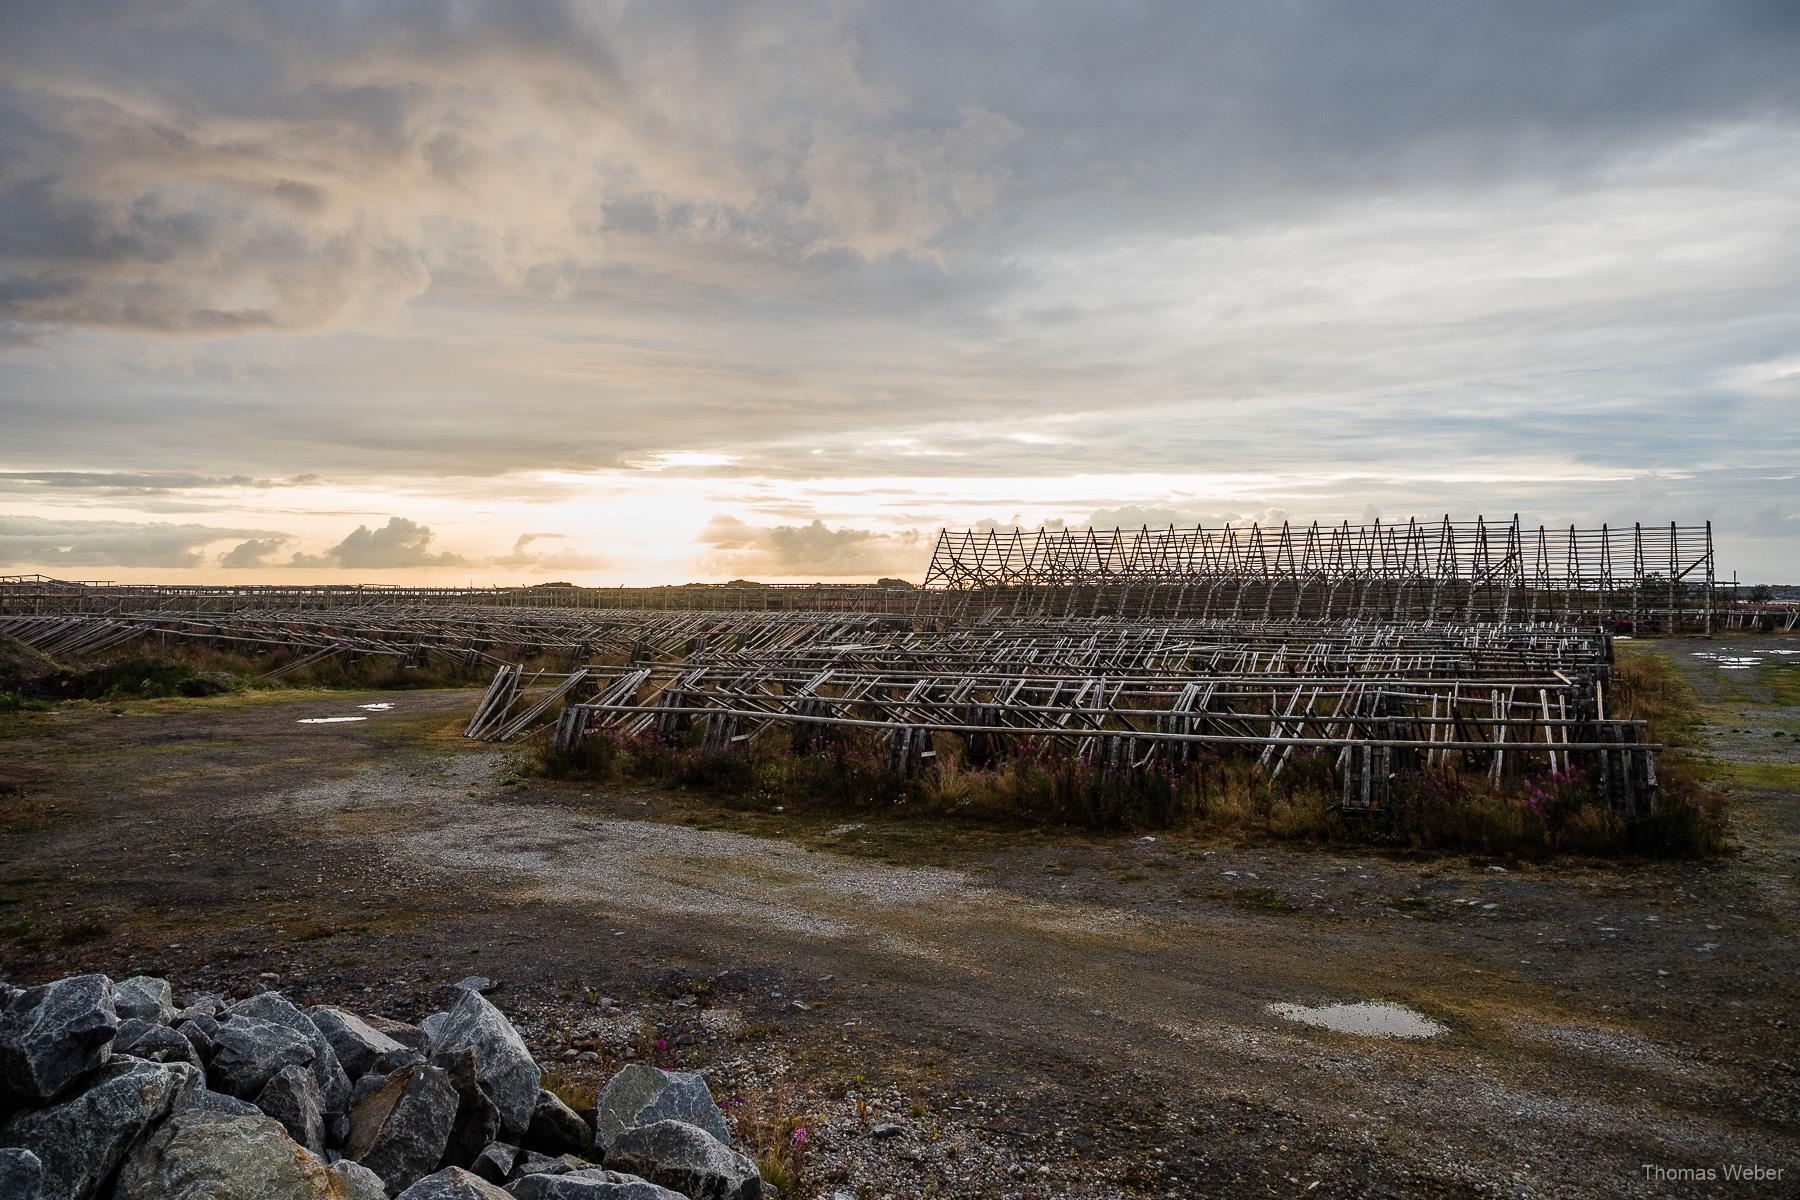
(1034, 872)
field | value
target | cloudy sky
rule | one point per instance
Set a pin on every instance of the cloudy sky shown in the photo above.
(644, 292)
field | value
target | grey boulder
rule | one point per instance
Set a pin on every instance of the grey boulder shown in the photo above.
(556, 1128)
(477, 1118)
(199, 1033)
(686, 1159)
(247, 1053)
(334, 1085)
(452, 1183)
(214, 1156)
(204, 1099)
(292, 1097)
(356, 1181)
(21, 1174)
(400, 1130)
(52, 1035)
(367, 1086)
(431, 1026)
(590, 1185)
(357, 1044)
(158, 1043)
(505, 1068)
(410, 1036)
(641, 1094)
(82, 1140)
(530, 1162)
(495, 1162)
(200, 1004)
(145, 998)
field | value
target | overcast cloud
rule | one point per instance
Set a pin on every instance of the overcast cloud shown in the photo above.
(702, 290)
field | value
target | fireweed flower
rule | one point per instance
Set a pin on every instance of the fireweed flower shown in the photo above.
(800, 1135)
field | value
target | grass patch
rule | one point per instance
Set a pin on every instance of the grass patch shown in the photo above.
(1764, 776)
(1263, 899)
(81, 933)
(778, 1135)
(150, 670)
(1538, 816)
(581, 1095)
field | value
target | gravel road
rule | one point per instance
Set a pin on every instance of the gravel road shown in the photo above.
(1097, 1008)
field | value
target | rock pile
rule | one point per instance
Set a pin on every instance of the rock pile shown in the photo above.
(112, 1091)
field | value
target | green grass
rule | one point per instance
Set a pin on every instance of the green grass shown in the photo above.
(190, 669)
(81, 933)
(1264, 899)
(581, 1095)
(1764, 776)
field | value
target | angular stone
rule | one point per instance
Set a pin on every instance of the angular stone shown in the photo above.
(82, 1140)
(507, 1072)
(367, 1086)
(52, 1035)
(158, 1043)
(495, 1162)
(334, 1084)
(356, 1181)
(215, 1156)
(453, 1183)
(21, 1175)
(556, 1128)
(400, 1130)
(144, 998)
(641, 1094)
(248, 1052)
(530, 1162)
(686, 1159)
(357, 1045)
(477, 1117)
(292, 1097)
(199, 1033)
(204, 1099)
(410, 1036)
(590, 1185)
(200, 1004)
(430, 1027)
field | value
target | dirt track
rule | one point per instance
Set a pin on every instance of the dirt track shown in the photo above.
(1108, 996)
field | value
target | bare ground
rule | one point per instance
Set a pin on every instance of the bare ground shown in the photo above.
(1045, 1015)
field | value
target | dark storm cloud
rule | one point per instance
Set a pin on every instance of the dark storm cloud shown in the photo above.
(1207, 110)
(220, 168)
(211, 170)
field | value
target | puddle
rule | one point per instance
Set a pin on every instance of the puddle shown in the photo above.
(327, 720)
(375, 707)
(1369, 1018)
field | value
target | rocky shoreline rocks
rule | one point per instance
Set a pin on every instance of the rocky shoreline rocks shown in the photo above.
(114, 1091)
